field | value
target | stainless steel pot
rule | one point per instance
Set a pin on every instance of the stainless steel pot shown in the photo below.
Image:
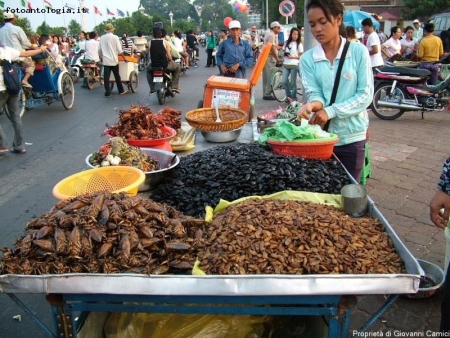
(221, 136)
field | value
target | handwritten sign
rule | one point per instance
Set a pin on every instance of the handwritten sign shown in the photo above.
(228, 97)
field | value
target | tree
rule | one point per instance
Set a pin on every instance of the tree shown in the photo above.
(424, 9)
(141, 22)
(43, 28)
(74, 28)
(60, 31)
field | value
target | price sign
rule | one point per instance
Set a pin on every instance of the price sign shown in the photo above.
(228, 97)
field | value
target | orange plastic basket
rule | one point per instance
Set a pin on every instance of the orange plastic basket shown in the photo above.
(112, 179)
(319, 149)
(205, 119)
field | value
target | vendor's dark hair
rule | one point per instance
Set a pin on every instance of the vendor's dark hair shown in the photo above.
(289, 40)
(331, 8)
(367, 22)
(139, 33)
(429, 27)
(394, 30)
(157, 33)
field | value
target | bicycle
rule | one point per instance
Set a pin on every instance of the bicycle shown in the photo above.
(278, 90)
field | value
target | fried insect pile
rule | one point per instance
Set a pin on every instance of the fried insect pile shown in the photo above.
(138, 123)
(106, 233)
(292, 237)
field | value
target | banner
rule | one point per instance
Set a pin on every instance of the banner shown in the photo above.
(120, 13)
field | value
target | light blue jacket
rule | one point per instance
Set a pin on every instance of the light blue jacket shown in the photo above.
(349, 118)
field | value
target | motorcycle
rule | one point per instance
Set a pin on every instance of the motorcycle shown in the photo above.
(203, 42)
(401, 89)
(192, 57)
(162, 79)
(76, 68)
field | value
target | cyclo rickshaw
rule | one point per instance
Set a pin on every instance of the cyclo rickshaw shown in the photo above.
(49, 85)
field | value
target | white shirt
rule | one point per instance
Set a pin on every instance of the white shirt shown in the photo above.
(294, 49)
(13, 36)
(409, 44)
(9, 54)
(374, 40)
(92, 47)
(178, 44)
(81, 44)
(110, 48)
(393, 46)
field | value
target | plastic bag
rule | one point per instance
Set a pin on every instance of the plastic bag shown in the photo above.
(155, 325)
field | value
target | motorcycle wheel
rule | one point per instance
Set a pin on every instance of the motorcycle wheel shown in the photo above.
(161, 93)
(382, 92)
(75, 73)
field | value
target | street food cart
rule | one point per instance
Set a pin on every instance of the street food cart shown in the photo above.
(233, 92)
(128, 72)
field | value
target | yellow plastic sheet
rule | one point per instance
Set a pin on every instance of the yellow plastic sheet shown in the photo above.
(304, 196)
(146, 325)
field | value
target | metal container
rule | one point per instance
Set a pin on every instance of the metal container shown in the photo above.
(433, 272)
(221, 136)
(167, 161)
(354, 200)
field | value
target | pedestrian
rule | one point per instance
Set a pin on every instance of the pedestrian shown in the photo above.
(441, 201)
(234, 55)
(211, 44)
(14, 37)
(110, 48)
(373, 44)
(351, 34)
(12, 101)
(418, 31)
(346, 114)
(409, 43)
(393, 46)
(430, 51)
(272, 60)
(293, 50)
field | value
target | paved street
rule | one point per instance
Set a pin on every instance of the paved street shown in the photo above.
(407, 157)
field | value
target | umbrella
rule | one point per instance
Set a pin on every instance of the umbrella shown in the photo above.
(354, 18)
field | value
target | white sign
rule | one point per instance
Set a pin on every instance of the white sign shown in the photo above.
(228, 97)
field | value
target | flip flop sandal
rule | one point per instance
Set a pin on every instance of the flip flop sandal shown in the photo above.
(4, 151)
(16, 151)
(176, 90)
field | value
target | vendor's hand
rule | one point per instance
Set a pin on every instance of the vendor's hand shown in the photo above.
(234, 68)
(441, 200)
(305, 111)
(223, 68)
(320, 118)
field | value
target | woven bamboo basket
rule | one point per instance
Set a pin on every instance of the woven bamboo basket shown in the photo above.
(205, 119)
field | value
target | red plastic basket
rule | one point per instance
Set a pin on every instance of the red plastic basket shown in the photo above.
(320, 149)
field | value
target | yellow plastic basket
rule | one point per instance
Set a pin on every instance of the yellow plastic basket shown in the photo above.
(112, 179)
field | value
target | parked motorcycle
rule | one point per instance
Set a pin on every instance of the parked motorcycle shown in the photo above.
(401, 89)
(162, 79)
(76, 68)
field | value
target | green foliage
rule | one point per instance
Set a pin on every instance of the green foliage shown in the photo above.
(43, 28)
(60, 31)
(74, 28)
(424, 9)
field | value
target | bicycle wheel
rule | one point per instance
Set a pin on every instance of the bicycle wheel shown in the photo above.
(277, 88)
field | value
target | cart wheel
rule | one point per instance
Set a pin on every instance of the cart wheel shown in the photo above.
(90, 79)
(200, 104)
(68, 91)
(134, 81)
(22, 104)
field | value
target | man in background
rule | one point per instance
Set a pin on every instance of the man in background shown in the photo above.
(430, 51)
(14, 37)
(373, 43)
(272, 60)
(418, 31)
(192, 42)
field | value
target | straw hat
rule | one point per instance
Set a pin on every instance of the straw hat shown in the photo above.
(109, 27)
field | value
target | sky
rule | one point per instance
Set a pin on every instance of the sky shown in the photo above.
(55, 20)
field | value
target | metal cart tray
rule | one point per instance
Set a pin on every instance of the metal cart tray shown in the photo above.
(227, 285)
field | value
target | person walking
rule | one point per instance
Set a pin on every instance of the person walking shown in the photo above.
(345, 112)
(14, 37)
(211, 44)
(12, 101)
(373, 44)
(430, 51)
(110, 48)
(293, 50)
(272, 60)
(441, 201)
